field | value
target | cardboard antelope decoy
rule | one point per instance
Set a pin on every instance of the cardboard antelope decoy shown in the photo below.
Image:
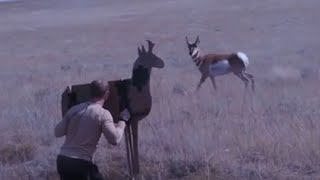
(133, 94)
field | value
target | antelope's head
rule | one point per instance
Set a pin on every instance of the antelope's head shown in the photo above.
(193, 47)
(147, 58)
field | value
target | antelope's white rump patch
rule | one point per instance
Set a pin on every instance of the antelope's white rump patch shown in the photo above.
(244, 58)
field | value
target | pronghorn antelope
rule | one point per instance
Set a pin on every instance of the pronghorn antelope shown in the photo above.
(212, 65)
(133, 94)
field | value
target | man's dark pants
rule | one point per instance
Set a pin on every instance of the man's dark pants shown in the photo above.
(77, 169)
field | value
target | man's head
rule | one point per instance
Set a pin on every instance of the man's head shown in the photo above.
(99, 90)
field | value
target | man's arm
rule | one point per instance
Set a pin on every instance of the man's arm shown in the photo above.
(61, 128)
(112, 132)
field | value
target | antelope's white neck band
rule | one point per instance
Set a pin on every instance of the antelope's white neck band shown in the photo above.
(195, 54)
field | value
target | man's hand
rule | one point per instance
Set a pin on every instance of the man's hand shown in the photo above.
(125, 115)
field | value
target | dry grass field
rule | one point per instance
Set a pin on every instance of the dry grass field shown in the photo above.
(228, 134)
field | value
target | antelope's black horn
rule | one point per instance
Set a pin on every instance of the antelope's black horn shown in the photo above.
(197, 40)
(143, 49)
(187, 40)
(150, 45)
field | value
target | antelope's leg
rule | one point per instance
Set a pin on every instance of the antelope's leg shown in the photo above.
(136, 165)
(203, 78)
(213, 82)
(244, 79)
(129, 148)
(252, 80)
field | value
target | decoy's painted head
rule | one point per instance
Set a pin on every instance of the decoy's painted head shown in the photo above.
(148, 59)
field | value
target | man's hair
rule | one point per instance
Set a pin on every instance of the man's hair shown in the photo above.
(98, 88)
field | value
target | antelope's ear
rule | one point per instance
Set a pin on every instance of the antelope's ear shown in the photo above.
(139, 51)
(197, 40)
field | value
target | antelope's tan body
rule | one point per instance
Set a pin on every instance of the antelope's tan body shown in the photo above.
(212, 65)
